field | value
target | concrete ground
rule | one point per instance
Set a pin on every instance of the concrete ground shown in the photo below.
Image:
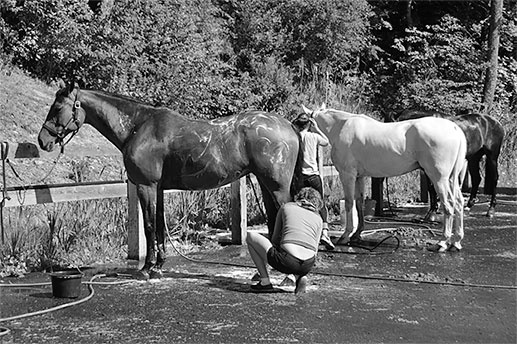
(354, 295)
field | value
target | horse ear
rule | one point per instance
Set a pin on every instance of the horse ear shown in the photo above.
(73, 86)
(323, 106)
(306, 110)
(61, 84)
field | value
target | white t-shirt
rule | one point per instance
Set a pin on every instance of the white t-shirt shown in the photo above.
(311, 141)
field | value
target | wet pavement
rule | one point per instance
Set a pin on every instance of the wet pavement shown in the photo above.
(354, 295)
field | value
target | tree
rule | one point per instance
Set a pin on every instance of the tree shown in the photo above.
(496, 15)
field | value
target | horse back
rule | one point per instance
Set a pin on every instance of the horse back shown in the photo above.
(483, 133)
(189, 154)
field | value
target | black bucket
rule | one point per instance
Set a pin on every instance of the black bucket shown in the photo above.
(66, 284)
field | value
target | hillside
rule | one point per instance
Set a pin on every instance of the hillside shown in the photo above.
(24, 104)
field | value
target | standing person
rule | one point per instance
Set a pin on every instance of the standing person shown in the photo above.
(312, 138)
(294, 244)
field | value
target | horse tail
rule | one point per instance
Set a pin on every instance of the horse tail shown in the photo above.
(460, 166)
(296, 183)
(492, 156)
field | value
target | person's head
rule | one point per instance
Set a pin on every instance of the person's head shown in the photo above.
(309, 198)
(302, 121)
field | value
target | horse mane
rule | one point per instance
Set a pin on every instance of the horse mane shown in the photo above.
(348, 115)
(121, 97)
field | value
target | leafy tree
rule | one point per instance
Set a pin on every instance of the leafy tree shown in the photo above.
(46, 37)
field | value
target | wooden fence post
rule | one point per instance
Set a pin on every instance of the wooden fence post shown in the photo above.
(136, 244)
(238, 205)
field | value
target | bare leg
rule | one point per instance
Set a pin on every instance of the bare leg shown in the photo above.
(258, 246)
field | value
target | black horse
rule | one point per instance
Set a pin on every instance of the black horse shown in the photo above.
(484, 138)
(164, 150)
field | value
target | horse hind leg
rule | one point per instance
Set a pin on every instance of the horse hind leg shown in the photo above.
(458, 218)
(273, 198)
(446, 194)
(475, 177)
(491, 179)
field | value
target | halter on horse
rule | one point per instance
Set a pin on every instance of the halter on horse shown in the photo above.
(364, 147)
(163, 150)
(484, 138)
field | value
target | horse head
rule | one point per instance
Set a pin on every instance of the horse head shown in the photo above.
(65, 116)
(314, 113)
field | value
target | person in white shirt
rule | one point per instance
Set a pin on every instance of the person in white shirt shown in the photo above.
(312, 138)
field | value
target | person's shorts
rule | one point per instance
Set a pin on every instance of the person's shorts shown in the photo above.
(285, 262)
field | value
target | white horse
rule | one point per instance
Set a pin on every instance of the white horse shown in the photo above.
(364, 147)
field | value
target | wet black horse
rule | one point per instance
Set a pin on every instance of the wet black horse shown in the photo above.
(484, 138)
(164, 150)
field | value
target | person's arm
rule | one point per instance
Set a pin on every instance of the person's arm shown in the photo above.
(323, 141)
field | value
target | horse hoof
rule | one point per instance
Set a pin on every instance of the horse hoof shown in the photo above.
(431, 217)
(355, 239)
(156, 273)
(490, 213)
(437, 248)
(143, 275)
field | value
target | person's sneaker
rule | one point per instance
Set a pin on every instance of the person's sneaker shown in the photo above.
(325, 240)
(259, 287)
(301, 285)
(453, 248)
(256, 277)
(437, 248)
(289, 281)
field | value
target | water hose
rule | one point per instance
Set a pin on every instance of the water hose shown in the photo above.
(367, 277)
(4, 330)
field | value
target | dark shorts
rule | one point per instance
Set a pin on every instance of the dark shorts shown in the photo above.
(285, 262)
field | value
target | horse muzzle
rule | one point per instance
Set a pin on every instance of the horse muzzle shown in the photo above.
(46, 141)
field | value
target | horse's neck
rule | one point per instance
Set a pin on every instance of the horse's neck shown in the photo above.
(328, 119)
(113, 123)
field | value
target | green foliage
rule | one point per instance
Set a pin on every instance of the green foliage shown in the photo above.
(47, 37)
(301, 34)
(143, 51)
(437, 69)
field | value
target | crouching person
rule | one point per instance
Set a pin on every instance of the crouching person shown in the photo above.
(294, 244)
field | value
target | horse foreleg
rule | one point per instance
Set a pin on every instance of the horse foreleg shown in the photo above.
(147, 197)
(432, 214)
(348, 180)
(359, 205)
(161, 227)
